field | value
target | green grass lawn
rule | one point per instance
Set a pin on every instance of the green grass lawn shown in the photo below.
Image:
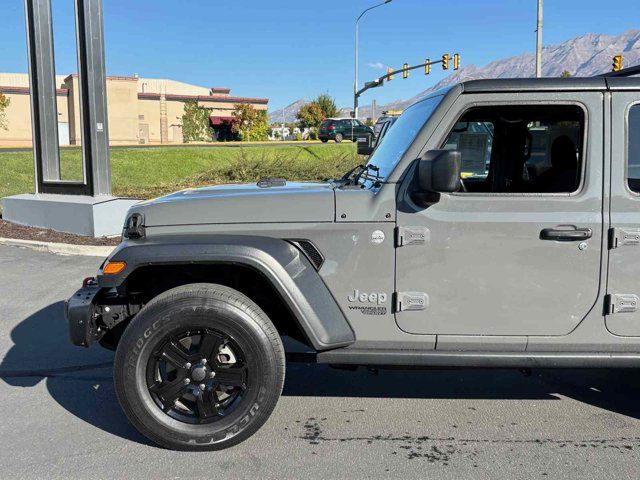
(149, 172)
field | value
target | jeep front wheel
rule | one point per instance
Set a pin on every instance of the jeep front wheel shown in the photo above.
(338, 137)
(201, 367)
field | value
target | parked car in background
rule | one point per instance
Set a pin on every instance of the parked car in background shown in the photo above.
(338, 129)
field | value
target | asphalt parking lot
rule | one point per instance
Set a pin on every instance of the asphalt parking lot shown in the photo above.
(60, 417)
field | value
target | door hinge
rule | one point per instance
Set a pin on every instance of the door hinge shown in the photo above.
(411, 236)
(619, 237)
(405, 301)
(621, 303)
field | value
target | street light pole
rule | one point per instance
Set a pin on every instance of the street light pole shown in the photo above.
(283, 124)
(355, 76)
(539, 41)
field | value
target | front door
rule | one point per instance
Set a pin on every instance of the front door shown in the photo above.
(624, 253)
(516, 251)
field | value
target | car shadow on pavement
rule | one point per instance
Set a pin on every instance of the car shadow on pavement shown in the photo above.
(613, 390)
(80, 380)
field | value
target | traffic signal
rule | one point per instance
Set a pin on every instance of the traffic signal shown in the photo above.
(445, 61)
(617, 63)
(405, 70)
(389, 76)
(456, 61)
(427, 66)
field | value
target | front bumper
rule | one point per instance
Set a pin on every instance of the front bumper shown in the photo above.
(80, 312)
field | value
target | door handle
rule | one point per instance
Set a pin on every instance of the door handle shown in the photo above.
(566, 233)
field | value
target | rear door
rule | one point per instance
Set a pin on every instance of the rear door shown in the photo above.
(503, 258)
(623, 286)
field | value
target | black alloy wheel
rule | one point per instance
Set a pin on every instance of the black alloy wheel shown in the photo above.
(197, 376)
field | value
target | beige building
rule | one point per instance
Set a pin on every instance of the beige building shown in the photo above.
(141, 110)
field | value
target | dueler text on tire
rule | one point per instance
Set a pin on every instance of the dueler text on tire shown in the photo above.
(201, 367)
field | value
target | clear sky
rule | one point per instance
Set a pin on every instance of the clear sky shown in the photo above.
(290, 49)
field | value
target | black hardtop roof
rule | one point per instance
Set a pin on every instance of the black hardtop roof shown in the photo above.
(550, 84)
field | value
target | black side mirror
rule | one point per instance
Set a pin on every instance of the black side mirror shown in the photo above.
(365, 144)
(439, 171)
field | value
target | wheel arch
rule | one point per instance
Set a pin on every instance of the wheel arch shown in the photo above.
(282, 266)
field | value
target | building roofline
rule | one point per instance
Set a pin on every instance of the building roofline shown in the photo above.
(108, 77)
(26, 90)
(204, 98)
(155, 96)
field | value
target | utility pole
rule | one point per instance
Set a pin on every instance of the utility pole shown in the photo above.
(355, 76)
(539, 41)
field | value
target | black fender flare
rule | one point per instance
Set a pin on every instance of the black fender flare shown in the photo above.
(288, 270)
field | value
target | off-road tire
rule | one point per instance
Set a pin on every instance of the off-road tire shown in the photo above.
(338, 138)
(214, 308)
(324, 140)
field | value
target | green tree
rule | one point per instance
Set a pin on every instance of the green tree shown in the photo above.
(4, 104)
(195, 123)
(250, 124)
(565, 74)
(313, 113)
(327, 104)
(310, 115)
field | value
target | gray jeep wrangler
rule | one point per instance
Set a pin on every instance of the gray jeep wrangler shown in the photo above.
(497, 225)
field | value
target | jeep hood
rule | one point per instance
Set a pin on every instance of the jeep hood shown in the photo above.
(247, 203)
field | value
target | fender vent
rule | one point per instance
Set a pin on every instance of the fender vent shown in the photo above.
(310, 251)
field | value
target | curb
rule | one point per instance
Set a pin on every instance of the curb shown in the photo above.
(59, 248)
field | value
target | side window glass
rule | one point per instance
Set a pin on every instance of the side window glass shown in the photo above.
(633, 152)
(519, 149)
(473, 140)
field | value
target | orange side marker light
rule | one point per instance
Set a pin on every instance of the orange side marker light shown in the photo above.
(112, 268)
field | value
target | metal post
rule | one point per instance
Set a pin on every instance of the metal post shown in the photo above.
(57, 205)
(539, 41)
(93, 95)
(42, 82)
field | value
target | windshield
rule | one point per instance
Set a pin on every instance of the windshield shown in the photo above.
(398, 139)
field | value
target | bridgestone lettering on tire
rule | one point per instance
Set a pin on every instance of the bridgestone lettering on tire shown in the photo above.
(201, 367)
